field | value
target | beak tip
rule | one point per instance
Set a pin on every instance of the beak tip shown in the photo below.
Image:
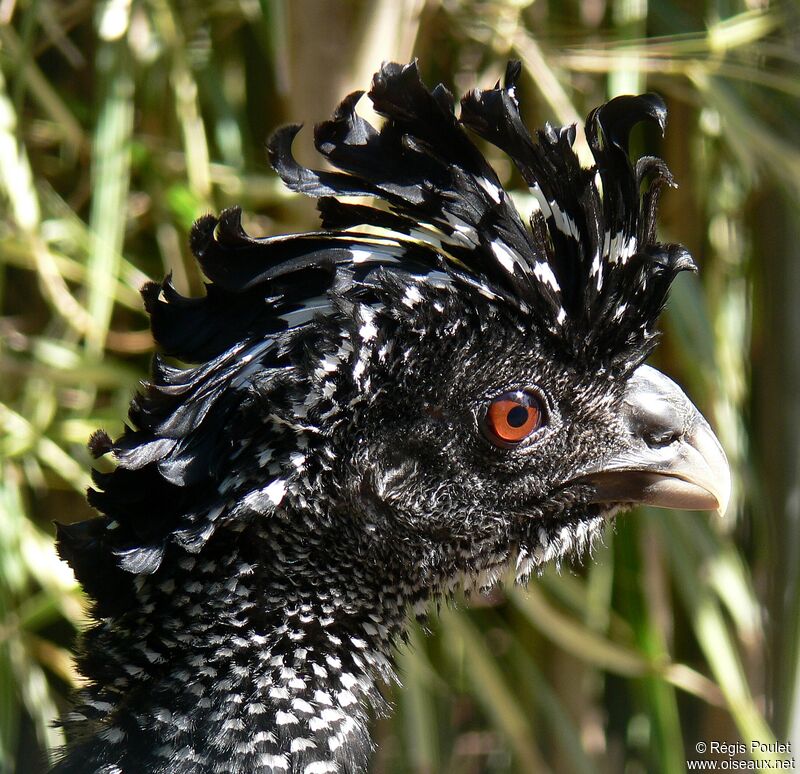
(718, 468)
(723, 494)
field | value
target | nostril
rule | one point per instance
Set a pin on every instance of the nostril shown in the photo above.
(655, 421)
(660, 438)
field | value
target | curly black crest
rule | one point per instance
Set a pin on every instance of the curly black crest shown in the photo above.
(588, 268)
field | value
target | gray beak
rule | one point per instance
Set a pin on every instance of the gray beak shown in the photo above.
(670, 458)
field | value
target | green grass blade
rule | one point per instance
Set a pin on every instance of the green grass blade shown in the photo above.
(110, 174)
(418, 706)
(492, 689)
(711, 629)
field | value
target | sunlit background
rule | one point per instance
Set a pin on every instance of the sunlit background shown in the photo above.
(121, 122)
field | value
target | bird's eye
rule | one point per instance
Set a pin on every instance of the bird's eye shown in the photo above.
(512, 417)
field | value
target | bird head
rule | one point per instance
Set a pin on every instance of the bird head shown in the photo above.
(429, 388)
(441, 381)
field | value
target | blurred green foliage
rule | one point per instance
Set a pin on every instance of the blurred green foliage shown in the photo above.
(122, 121)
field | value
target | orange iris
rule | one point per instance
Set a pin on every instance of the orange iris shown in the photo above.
(513, 416)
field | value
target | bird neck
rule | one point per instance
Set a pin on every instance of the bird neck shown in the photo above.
(264, 650)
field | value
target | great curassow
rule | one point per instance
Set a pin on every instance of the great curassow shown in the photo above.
(421, 394)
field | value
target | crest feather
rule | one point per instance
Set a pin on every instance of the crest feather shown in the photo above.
(588, 267)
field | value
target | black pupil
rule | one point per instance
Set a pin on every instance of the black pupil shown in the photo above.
(518, 416)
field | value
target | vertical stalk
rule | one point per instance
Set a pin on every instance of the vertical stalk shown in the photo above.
(111, 169)
(776, 369)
